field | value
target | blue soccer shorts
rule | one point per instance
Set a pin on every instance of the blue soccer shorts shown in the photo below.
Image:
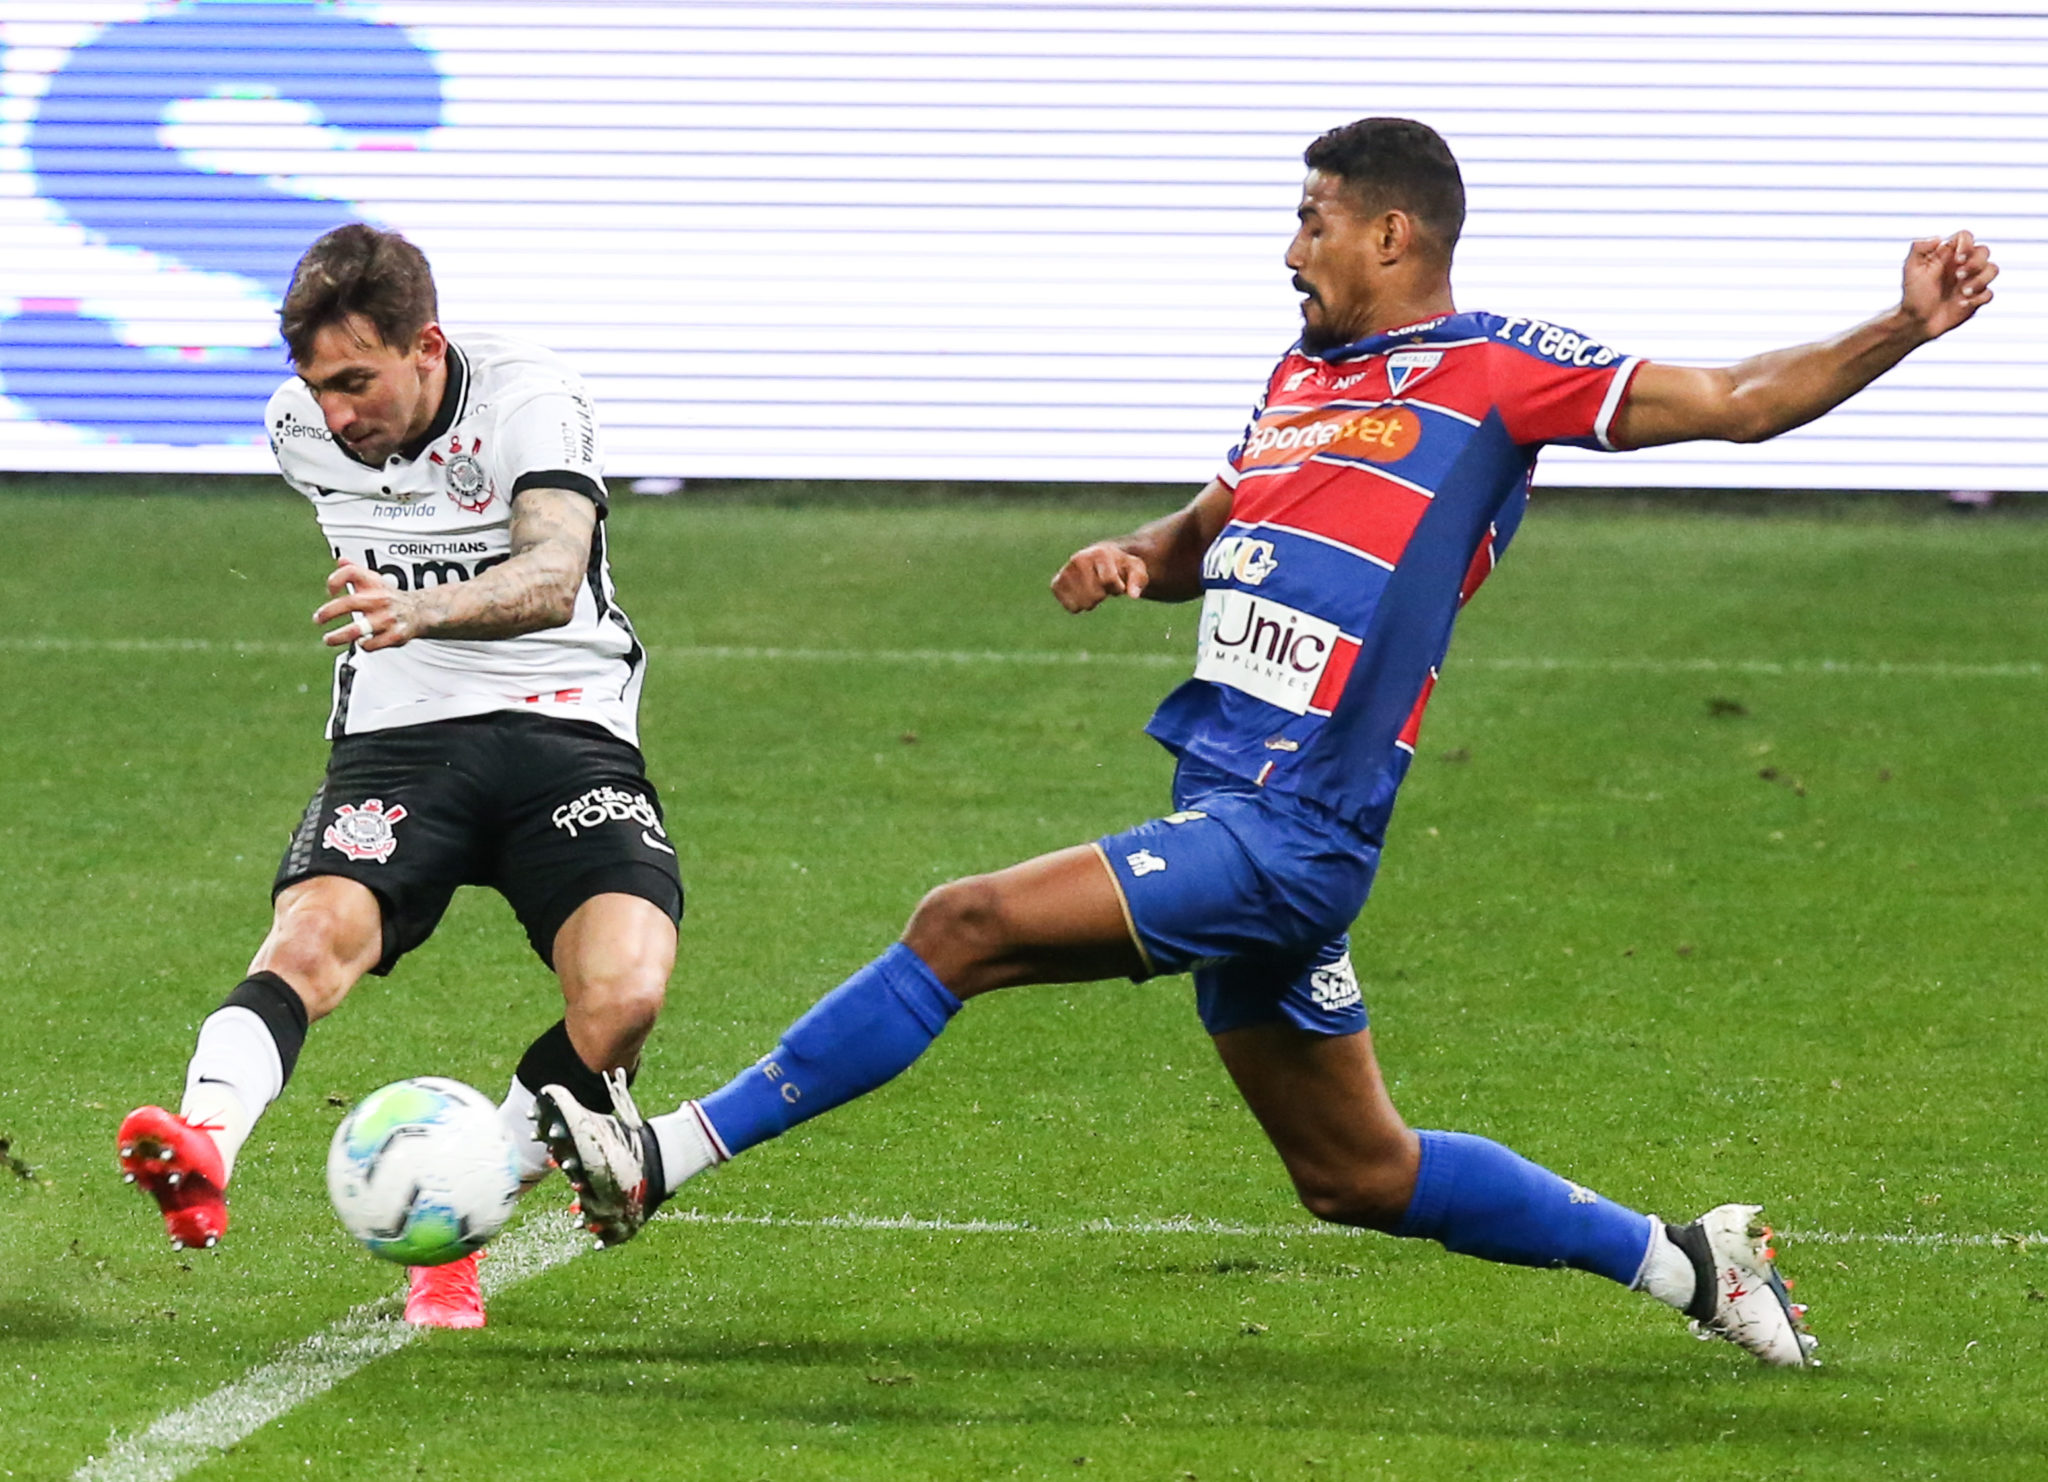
(1254, 893)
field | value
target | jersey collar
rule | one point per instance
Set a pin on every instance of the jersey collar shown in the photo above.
(1375, 344)
(451, 403)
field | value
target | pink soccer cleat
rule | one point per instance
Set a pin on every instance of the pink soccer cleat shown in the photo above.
(445, 1296)
(178, 1163)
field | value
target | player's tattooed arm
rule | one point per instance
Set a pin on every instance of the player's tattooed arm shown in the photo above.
(1945, 282)
(532, 590)
(1162, 560)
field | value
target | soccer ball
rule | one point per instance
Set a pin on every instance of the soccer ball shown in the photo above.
(422, 1172)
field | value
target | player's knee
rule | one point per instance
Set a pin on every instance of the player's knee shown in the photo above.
(320, 947)
(1373, 1196)
(959, 927)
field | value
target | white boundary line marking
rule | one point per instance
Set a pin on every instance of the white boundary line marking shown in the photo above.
(1190, 1225)
(1066, 658)
(190, 1437)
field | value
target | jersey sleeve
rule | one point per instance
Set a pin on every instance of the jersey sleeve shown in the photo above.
(1233, 465)
(549, 440)
(292, 436)
(1552, 385)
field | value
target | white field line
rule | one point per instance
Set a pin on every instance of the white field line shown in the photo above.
(1189, 1225)
(187, 1438)
(198, 1433)
(1070, 658)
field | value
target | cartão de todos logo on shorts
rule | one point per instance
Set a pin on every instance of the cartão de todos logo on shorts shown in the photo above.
(602, 805)
(469, 483)
(1271, 651)
(1374, 434)
(365, 832)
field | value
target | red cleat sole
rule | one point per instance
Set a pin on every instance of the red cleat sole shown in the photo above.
(179, 1166)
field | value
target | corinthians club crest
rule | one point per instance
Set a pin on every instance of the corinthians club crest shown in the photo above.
(365, 832)
(468, 485)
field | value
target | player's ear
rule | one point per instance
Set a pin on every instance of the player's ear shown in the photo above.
(432, 345)
(1393, 236)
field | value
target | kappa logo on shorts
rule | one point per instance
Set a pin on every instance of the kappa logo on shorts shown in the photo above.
(603, 805)
(1144, 862)
(1335, 986)
(365, 832)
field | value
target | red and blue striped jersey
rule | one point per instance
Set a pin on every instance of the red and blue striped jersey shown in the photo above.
(1373, 490)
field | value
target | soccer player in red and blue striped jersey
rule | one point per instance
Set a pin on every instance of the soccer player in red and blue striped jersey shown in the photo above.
(1382, 475)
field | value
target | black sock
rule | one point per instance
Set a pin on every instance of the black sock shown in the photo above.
(552, 1061)
(274, 1001)
(1693, 1241)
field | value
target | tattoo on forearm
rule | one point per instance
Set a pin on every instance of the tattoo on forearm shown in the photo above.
(536, 588)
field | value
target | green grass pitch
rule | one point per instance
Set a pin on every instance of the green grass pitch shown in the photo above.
(1684, 925)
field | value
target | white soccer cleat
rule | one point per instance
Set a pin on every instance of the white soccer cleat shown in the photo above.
(1748, 1303)
(605, 1158)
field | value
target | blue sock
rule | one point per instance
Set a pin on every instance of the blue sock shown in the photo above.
(1479, 1199)
(863, 1033)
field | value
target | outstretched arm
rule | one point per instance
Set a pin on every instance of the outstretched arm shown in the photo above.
(534, 589)
(1163, 560)
(1945, 282)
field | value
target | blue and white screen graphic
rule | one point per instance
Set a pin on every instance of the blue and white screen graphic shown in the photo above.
(999, 241)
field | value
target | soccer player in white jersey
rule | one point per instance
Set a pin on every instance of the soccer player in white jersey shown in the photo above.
(484, 722)
(1383, 472)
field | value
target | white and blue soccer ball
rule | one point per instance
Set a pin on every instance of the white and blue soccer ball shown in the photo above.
(422, 1172)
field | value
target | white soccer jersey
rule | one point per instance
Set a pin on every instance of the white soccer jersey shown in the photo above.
(514, 417)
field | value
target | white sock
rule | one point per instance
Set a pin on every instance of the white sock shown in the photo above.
(688, 1145)
(1668, 1273)
(515, 1113)
(234, 1074)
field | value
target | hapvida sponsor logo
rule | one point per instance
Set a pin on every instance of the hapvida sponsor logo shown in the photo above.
(1377, 435)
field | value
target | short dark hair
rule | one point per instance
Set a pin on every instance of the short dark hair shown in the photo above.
(357, 269)
(1397, 164)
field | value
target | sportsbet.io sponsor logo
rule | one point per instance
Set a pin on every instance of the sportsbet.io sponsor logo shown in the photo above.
(1377, 435)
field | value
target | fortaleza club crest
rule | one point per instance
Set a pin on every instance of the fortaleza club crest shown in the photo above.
(468, 485)
(365, 832)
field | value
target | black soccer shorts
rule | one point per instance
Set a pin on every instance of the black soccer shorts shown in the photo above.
(547, 812)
